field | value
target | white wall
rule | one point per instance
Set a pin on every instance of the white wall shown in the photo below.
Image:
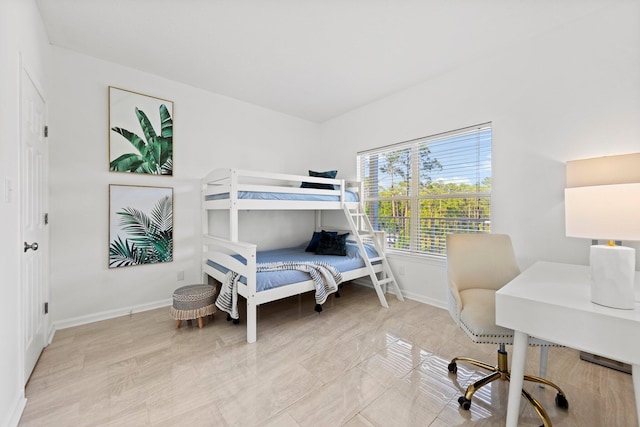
(210, 131)
(567, 94)
(21, 36)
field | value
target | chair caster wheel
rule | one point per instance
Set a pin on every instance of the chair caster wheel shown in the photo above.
(561, 401)
(452, 367)
(464, 403)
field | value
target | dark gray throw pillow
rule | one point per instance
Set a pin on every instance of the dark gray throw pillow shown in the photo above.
(332, 244)
(327, 174)
(315, 239)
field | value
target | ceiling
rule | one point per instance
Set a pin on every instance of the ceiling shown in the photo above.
(314, 59)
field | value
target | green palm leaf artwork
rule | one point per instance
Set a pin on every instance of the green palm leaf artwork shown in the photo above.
(149, 152)
(141, 237)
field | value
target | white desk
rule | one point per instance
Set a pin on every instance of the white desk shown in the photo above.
(551, 301)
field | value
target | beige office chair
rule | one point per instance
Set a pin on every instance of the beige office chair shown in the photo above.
(477, 266)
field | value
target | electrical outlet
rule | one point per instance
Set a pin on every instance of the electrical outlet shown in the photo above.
(180, 275)
(401, 270)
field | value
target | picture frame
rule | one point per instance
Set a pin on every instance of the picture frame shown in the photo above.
(140, 133)
(140, 225)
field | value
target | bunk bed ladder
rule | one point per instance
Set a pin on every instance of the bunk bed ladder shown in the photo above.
(361, 228)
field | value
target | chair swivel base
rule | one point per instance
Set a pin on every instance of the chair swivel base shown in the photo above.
(502, 372)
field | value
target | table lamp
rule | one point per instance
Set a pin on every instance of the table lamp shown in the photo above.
(602, 201)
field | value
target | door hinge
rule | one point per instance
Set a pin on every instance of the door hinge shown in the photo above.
(46, 131)
(46, 308)
(46, 218)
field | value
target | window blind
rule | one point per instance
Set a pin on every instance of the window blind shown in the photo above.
(419, 191)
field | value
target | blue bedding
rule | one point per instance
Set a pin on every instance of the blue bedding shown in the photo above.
(274, 279)
(349, 196)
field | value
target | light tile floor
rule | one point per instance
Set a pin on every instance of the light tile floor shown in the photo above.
(354, 364)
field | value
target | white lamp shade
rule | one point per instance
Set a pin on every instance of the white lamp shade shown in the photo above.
(610, 212)
(622, 169)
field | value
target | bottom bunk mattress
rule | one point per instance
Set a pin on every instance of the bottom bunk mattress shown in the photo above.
(273, 279)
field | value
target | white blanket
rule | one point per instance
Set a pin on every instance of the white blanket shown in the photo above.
(325, 276)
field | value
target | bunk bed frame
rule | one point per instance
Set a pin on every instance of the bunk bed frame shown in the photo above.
(222, 189)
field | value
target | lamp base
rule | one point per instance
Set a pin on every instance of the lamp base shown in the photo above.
(612, 276)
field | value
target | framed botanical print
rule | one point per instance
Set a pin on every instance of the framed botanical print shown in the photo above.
(140, 225)
(140, 133)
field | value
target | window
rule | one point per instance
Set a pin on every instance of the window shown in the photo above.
(421, 190)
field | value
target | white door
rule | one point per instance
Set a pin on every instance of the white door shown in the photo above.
(35, 236)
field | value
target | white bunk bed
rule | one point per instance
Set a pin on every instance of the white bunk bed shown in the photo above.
(234, 190)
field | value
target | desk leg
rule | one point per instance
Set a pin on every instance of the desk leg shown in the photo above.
(520, 344)
(635, 372)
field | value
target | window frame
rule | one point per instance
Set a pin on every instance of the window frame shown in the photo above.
(413, 197)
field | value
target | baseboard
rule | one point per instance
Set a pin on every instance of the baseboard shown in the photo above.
(50, 333)
(14, 417)
(110, 314)
(409, 295)
(425, 300)
(607, 363)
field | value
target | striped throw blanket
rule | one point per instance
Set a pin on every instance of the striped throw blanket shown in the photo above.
(325, 276)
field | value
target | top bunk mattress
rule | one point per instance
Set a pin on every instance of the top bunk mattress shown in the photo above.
(349, 196)
(273, 279)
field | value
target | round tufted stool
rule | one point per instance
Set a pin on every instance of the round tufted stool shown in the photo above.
(192, 302)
